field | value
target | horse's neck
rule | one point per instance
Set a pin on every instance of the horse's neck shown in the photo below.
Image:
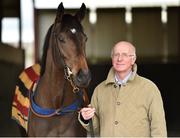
(51, 88)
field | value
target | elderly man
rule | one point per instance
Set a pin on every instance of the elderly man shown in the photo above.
(125, 104)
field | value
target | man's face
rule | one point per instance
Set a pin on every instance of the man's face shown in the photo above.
(123, 57)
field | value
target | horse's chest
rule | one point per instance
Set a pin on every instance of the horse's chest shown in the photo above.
(67, 125)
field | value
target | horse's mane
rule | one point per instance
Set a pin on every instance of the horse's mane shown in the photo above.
(45, 49)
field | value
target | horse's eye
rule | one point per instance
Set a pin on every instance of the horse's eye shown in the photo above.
(61, 39)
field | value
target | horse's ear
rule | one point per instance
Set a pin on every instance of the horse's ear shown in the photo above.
(60, 12)
(81, 13)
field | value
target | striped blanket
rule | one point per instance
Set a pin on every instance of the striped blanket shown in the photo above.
(20, 105)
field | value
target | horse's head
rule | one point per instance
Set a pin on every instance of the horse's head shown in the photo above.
(69, 45)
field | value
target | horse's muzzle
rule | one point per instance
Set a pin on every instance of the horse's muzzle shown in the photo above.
(82, 78)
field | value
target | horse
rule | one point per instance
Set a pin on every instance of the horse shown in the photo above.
(58, 94)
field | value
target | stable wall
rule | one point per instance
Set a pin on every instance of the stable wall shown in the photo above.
(155, 41)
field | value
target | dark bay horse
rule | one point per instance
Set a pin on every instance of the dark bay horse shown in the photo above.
(59, 92)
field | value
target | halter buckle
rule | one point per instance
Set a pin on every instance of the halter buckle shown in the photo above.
(75, 89)
(58, 111)
(67, 72)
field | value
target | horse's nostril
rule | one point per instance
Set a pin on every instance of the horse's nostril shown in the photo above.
(83, 77)
(79, 78)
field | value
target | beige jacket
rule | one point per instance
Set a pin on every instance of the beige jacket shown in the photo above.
(134, 109)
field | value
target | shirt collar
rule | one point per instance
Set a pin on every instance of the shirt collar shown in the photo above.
(111, 75)
(124, 81)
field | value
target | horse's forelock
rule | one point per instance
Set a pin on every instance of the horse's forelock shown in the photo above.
(69, 21)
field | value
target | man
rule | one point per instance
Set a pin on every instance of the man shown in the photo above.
(125, 104)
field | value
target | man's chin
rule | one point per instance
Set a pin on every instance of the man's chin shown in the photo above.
(120, 69)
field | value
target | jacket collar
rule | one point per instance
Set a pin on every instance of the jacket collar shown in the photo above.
(110, 78)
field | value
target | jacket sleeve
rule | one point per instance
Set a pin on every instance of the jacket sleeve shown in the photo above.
(157, 115)
(95, 119)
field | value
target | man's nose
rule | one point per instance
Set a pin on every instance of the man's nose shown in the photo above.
(120, 57)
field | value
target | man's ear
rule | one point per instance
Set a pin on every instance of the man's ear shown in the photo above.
(133, 59)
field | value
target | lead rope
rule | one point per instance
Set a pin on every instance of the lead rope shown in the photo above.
(91, 128)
